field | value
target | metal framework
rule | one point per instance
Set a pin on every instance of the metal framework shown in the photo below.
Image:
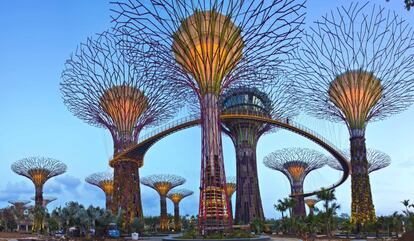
(207, 47)
(38, 170)
(277, 102)
(163, 183)
(46, 200)
(104, 89)
(311, 202)
(376, 159)
(357, 66)
(105, 181)
(176, 195)
(295, 164)
(231, 187)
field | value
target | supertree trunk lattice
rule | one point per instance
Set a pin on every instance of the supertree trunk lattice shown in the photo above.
(295, 164)
(104, 89)
(105, 181)
(275, 101)
(356, 66)
(207, 47)
(39, 170)
(163, 184)
(176, 196)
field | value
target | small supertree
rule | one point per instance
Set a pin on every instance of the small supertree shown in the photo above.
(376, 159)
(46, 200)
(207, 47)
(105, 181)
(311, 202)
(276, 102)
(176, 195)
(231, 187)
(163, 183)
(295, 164)
(19, 207)
(39, 170)
(357, 66)
(102, 88)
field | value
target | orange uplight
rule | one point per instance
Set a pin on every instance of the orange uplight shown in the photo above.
(107, 186)
(355, 93)
(176, 197)
(296, 171)
(230, 189)
(208, 46)
(124, 104)
(162, 187)
(311, 202)
(39, 176)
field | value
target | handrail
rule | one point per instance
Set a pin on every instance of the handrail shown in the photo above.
(254, 116)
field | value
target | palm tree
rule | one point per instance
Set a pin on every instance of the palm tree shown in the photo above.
(281, 207)
(327, 196)
(406, 204)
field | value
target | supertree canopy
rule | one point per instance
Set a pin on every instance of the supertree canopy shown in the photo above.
(295, 164)
(276, 102)
(176, 195)
(231, 187)
(311, 202)
(105, 181)
(376, 159)
(163, 183)
(357, 66)
(38, 170)
(104, 89)
(207, 47)
(46, 200)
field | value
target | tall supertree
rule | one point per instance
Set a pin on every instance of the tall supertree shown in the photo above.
(46, 200)
(207, 47)
(104, 89)
(311, 202)
(19, 207)
(176, 196)
(295, 164)
(163, 183)
(38, 170)
(105, 181)
(276, 102)
(357, 66)
(376, 160)
(231, 187)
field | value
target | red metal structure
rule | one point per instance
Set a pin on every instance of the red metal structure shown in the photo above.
(207, 47)
(104, 89)
(295, 164)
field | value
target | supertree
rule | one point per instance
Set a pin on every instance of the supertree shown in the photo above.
(19, 207)
(357, 66)
(295, 164)
(105, 181)
(231, 187)
(163, 183)
(38, 170)
(376, 160)
(176, 195)
(46, 200)
(207, 47)
(104, 89)
(311, 202)
(275, 101)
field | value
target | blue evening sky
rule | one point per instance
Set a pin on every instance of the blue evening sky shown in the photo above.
(36, 37)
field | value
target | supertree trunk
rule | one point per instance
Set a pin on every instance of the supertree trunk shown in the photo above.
(299, 208)
(311, 211)
(248, 200)
(362, 206)
(177, 220)
(108, 202)
(38, 224)
(214, 212)
(127, 192)
(163, 214)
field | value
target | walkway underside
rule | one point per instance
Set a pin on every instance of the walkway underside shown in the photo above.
(138, 151)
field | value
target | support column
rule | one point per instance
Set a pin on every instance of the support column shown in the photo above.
(163, 214)
(299, 209)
